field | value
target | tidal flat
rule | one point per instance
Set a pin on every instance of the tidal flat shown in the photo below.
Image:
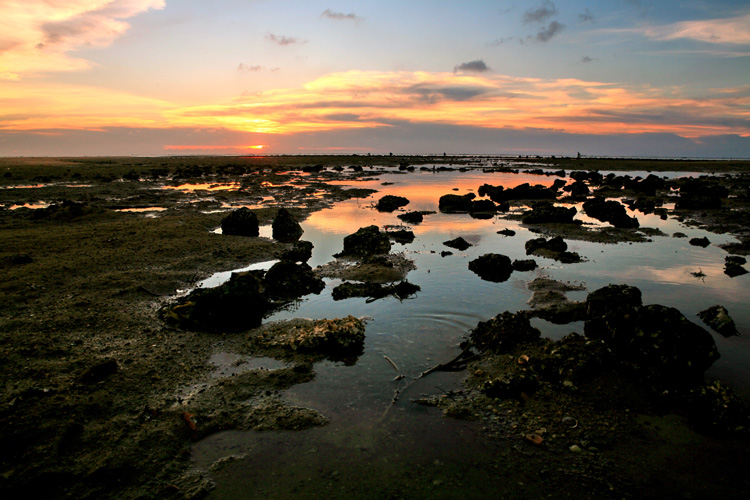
(404, 367)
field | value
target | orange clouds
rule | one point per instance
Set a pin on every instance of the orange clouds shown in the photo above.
(35, 35)
(358, 99)
(371, 99)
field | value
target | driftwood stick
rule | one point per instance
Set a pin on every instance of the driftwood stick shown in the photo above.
(392, 364)
(446, 366)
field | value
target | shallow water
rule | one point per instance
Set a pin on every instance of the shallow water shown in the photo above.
(421, 332)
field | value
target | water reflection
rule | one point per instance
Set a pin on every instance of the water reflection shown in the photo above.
(419, 333)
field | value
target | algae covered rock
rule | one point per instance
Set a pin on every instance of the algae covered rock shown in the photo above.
(365, 242)
(301, 251)
(717, 317)
(504, 332)
(314, 335)
(240, 222)
(237, 304)
(657, 343)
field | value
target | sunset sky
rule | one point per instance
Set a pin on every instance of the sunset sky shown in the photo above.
(159, 77)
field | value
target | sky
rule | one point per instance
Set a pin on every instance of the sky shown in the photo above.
(659, 78)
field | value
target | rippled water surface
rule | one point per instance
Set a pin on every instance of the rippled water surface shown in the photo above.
(365, 429)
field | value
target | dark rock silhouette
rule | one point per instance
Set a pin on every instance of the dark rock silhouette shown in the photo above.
(240, 222)
(457, 243)
(389, 203)
(365, 242)
(285, 227)
(492, 267)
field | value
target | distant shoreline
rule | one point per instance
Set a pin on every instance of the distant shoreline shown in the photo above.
(552, 162)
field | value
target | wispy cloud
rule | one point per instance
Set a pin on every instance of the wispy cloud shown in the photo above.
(284, 40)
(340, 16)
(727, 31)
(539, 14)
(586, 59)
(251, 69)
(477, 66)
(547, 33)
(586, 16)
(37, 36)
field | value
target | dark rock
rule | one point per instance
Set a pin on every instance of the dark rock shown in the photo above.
(736, 259)
(402, 290)
(733, 266)
(494, 193)
(492, 267)
(715, 409)
(527, 192)
(504, 332)
(453, 203)
(611, 299)
(609, 211)
(717, 317)
(402, 236)
(546, 212)
(389, 203)
(594, 178)
(679, 235)
(483, 206)
(697, 202)
(578, 188)
(300, 252)
(237, 304)
(574, 359)
(445, 253)
(411, 217)
(524, 265)
(700, 194)
(312, 168)
(287, 280)
(700, 242)
(240, 222)
(655, 343)
(558, 184)
(645, 205)
(568, 257)
(458, 243)
(285, 227)
(507, 232)
(551, 248)
(99, 372)
(365, 242)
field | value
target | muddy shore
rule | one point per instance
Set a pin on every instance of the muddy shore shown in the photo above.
(95, 380)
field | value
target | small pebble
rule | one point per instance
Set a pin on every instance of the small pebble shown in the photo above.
(576, 449)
